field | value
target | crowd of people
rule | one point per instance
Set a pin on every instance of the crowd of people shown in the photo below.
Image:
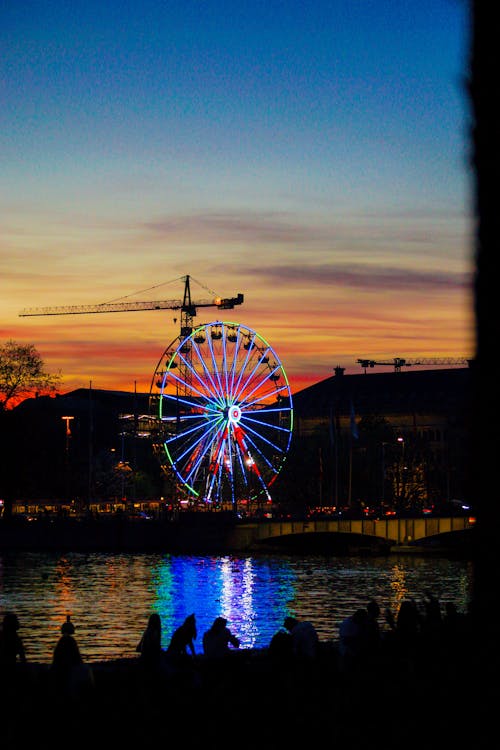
(362, 641)
(378, 659)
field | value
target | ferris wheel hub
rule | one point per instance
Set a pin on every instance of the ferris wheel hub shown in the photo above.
(234, 414)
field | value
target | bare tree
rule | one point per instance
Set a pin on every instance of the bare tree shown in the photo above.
(22, 373)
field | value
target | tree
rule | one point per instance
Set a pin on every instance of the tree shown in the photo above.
(22, 373)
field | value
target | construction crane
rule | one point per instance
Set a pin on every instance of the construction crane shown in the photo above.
(187, 307)
(399, 362)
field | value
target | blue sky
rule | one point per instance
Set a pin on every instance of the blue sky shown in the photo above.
(313, 156)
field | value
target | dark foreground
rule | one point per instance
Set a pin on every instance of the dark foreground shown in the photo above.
(444, 695)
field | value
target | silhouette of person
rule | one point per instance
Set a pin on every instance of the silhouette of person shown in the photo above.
(280, 647)
(406, 632)
(453, 622)
(373, 635)
(183, 670)
(353, 640)
(70, 677)
(67, 628)
(149, 647)
(218, 638)
(305, 639)
(373, 610)
(431, 624)
(182, 641)
(11, 644)
(408, 621)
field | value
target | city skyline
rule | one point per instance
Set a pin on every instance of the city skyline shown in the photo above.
(314, 159)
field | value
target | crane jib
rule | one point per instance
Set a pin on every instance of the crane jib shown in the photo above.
(224, 304)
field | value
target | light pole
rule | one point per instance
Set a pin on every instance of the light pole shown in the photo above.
(68, 431)
(383, 474)
(67, 420)
(401, 484)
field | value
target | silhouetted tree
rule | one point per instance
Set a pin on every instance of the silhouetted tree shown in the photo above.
(22, 373)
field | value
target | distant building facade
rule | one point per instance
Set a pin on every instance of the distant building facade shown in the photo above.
(376, 440)
(381, 438)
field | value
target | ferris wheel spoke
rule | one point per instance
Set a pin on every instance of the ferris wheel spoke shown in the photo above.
(224, 361)
(239, 367)
(252, 375)
(195, 405)
(249, 349)
(216, 368)
(262, 398)
(256, 386)
(216, 469)
(214, 390)
(243, 439)
(201, 425)
(186, 448)
(265, 410)
(260, 437)
(264, 485)
(190, 468)
(247, 464)
(260, 456)
(210, 484)
(230, 468)
(267, 425)
(185, 384)
(243, 470)
(234, 365)
(199, 460)
(253, 467)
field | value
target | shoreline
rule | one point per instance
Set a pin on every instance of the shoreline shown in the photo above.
(201, 536)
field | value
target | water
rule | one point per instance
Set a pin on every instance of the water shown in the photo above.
(110, 596)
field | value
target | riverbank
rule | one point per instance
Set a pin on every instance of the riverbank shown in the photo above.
(440, 698)
(210, 534)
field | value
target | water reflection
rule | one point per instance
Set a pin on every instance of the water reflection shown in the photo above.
(110, 597)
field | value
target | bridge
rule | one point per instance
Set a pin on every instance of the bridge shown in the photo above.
(392, 531)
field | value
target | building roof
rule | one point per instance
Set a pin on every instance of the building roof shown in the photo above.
(439, 391)
(444, 391)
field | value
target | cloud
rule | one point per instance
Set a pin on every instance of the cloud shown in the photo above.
(256, 227)
(363, 276)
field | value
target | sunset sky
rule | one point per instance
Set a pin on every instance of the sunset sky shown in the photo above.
(313, 156)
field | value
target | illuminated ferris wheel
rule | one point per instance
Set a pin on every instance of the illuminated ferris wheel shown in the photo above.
(223, 404)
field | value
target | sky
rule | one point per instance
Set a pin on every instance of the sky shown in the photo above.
(314, 157)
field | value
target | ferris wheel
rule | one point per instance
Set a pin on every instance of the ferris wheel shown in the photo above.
(223, 404)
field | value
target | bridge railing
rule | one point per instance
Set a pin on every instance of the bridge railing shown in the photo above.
(397, 530)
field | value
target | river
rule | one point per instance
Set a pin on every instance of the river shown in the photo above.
(110, 596)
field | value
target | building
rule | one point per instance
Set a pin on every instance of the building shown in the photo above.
(367, 441)
(377, 438)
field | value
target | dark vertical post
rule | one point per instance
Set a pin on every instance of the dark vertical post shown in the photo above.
(90, 447)
(484, 82)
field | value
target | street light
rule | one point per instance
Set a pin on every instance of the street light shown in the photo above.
(401, 465)
(383, 473)
(67, 420)
(68, 430)
(401, 441)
